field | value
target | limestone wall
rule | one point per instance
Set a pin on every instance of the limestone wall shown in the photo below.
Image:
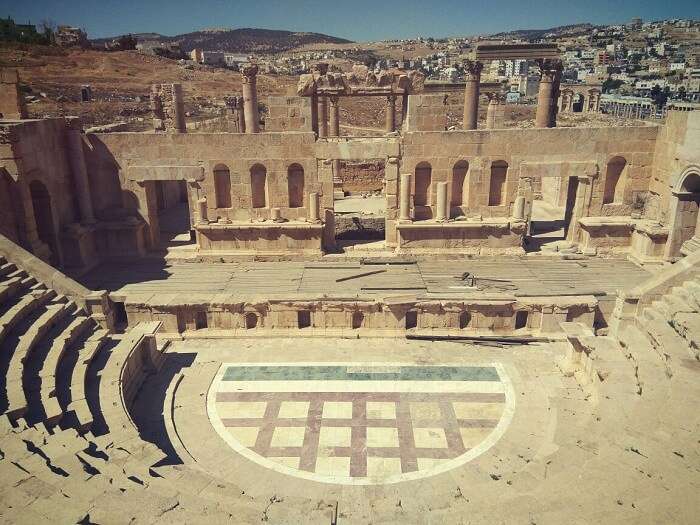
(288, 114)
(558, 152)
(677, 148)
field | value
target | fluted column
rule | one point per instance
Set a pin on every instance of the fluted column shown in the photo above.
(250, 98)
(405, 197)
(390, 116)
(334, 127)
(472, 71)
(76, 157)
(549, 75)
(322, 116)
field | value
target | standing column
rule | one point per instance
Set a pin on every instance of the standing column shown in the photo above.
(548, 70)
(179, 125)
(240, 115)
(405, 197)
(322, 116)
(390, 117)
(472, 72)
(491, 111)
(80, 179)
(250, 98)
(313, 207)
(441, 214)
(334, 128)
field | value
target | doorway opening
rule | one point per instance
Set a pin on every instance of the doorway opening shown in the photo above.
(174, 215)
(359, 204)
(43, 215)
(552, 212)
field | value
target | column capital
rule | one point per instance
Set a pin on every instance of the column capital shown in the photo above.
(472, 69)
(549, 68)
(249, 72)
(333, 99)
(496, 98)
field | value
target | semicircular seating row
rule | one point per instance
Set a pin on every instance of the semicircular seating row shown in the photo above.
(70, 452)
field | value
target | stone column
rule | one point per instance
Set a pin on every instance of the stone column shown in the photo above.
(390, 116)
(322, 117)
(250, 98)
(76, 156)
(472, 71)
(240, 115)
(519, 208)
(441, 214)
(494, 112)
(179, 125)
(203, 213)
(548, 70)
(334, 127)
(313, 207)
(405, 197)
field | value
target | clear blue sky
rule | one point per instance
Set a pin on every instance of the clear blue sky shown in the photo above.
(359, 20)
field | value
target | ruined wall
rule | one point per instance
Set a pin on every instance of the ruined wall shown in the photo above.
(288, 114)
(426, 112)
(556, 146)
(12, 104)
(362, 176)
(677, 148)
(115, 154)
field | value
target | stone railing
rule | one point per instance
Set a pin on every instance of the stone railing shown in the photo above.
(95, 303)
(631, 304)
(130, 362)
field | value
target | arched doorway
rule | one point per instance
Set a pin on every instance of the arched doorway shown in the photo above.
(683, 230)
(578, 103)
(43, 215)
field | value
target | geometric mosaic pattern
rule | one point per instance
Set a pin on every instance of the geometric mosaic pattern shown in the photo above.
(373, 423)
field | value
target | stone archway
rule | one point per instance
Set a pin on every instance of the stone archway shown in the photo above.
(684, 216)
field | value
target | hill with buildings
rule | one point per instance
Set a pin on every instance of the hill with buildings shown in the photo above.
(536, 34)
(244, 40)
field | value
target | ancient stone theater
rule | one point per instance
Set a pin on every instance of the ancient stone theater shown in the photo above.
(201, 326)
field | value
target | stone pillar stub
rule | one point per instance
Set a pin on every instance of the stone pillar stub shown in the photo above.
(250, 98)
(471, 94)
(313, 207)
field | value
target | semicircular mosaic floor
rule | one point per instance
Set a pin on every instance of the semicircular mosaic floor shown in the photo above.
(360, 423)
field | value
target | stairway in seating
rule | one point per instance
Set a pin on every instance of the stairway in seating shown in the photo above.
(44, 338)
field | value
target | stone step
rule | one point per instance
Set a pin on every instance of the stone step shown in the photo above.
(6, 269)
(683, 293)
(687, 325)
(78, 400)
(675, 304)
(693, 287)
(10, 288)
(25, 307)
(49, 369)
(16, 396)
(664, 339)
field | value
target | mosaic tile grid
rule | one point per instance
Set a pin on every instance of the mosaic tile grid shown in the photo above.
(362, 436)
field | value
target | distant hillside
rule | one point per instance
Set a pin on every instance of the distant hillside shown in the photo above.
(536, 34)
(244, 40)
